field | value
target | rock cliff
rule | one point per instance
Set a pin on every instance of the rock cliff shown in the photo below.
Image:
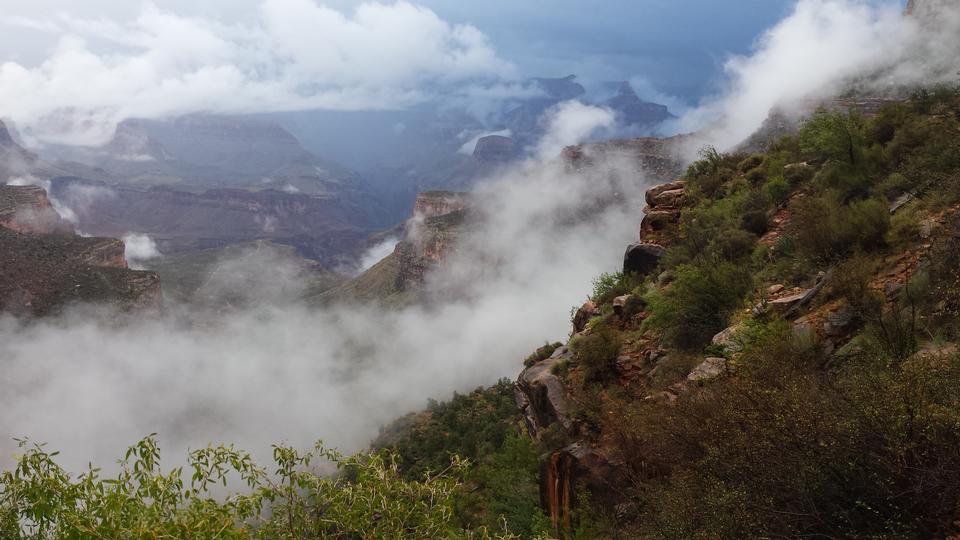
(320, 227)
(27, 209)
(46, 267)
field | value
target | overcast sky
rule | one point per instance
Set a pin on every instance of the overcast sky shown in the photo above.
(679, 45)
(70, 70)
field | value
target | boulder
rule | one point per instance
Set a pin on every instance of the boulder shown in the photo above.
(710, 369)
(840, 322)
(541, 396)
(583, 315)
(620, 303)
(575, 469)
(668, 199)
(727, 341)
(642, 258)
(653, 194)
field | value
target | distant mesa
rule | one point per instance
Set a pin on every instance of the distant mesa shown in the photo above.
(634, 111)
(495, 149)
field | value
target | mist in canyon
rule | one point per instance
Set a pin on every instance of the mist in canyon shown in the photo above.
(91, 382)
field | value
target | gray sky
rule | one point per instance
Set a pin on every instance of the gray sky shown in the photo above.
(679, 45)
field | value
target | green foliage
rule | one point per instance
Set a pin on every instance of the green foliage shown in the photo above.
(606, 287)
(825, 229)
(777, 189)
(699, 302)
(751, 162)
(787, 449)
(839, 136)
(366, 498)
(484, 427)
(597, 354)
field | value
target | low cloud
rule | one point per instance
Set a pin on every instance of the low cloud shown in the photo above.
(822, 49)
(297, 55)
(140, 248)
(571, 122)
(276, 370)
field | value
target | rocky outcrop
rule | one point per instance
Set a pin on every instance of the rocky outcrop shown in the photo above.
(642, 258)
(437, 203)
(574, 468)
(430, 236)
(27, 209)
(41, 274)
(541, 396)
(662, 213)
(656, 159)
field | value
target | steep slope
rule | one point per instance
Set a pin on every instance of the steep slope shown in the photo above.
(779, 356)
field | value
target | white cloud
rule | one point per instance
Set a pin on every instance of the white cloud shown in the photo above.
(571, 122)
(297, 55)
(821, 49)
(280, 371)
(139, 248)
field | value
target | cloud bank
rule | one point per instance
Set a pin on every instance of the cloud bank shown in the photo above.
(280, 371)
(296, 55)
(824, 48)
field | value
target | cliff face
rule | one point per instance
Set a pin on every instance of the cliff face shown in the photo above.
(658, 159)
(430, 236)
(320, 227)
(46, 267)
(27, 209)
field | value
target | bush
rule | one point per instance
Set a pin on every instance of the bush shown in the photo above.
(597, 354)
(838, 450)
(756, 176)
(826, 229)
(752, 162)
(606, 287)
(838, 136)
(777, 189)
(698, 303)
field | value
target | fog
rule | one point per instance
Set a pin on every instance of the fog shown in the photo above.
(90, 383)
(822, 49)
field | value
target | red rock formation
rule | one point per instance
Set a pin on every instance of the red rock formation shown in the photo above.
(437, 203)
(27, 209)
(41, 274)
(659, 160)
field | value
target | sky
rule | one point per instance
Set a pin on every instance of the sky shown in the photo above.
(680, 45)
(71, 71)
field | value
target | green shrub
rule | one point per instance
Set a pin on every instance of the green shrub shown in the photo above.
(597, 354)
(606, 287)
(756, 176)
(829, 135)
(698, 303)
(755, 221)
(751, 162)
(777, 189)
(733, 244)
(826, 229)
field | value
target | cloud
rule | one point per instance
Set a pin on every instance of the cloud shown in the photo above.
(275, 370)
(297, 55)
(571, 122)
(821, 49)
(376, 253)
(139, 248)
